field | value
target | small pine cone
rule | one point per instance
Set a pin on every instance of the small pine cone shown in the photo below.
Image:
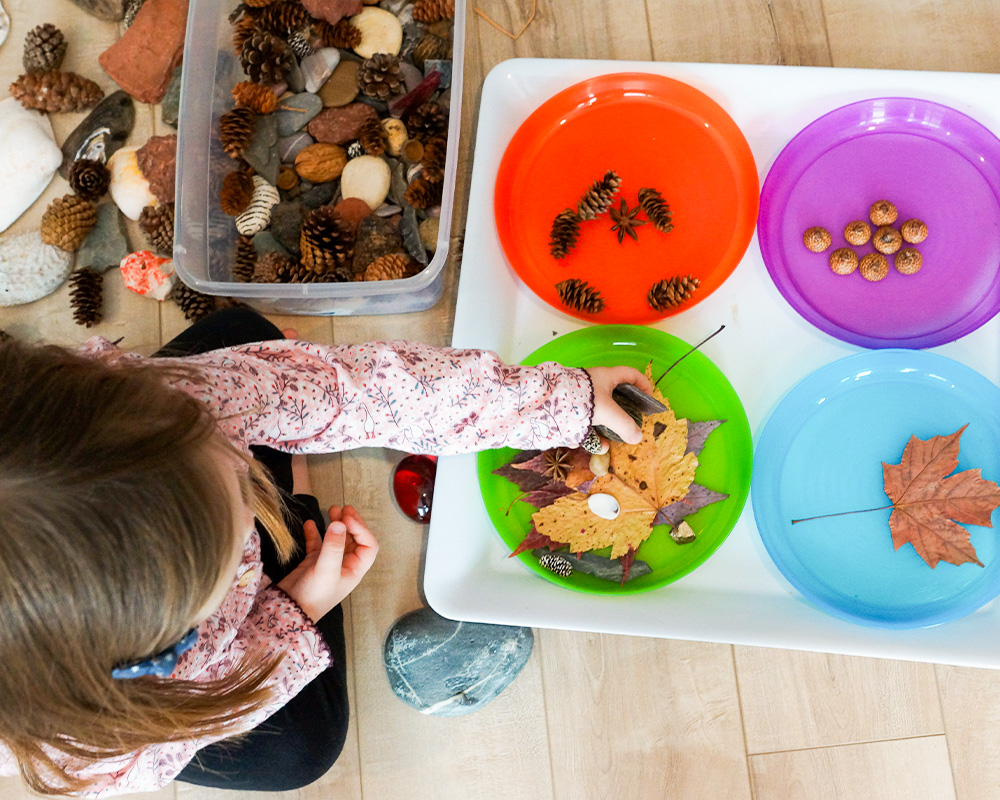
(44, 48)
(259, 99)
(157, 224)
(565, 231)
(56, 91)
(67, 221)
(433, 10)
(300, 45)
(597, 199)
(428, 121)
(433, 159)
(285, 18)
(380, 77)
(430, 47)
(326, 240)
(245, 260)
(236, 129)
(422, 193)
(273, 267)
(266, 58)
(342, 34)
(89, 179)
(389, 268)
(131, 10)
(193, 303)
(86, 294)
(580, 295)
(372, 137)
(236, 192)
(671, 292)
(355, 149)
(657, 211)
(243, 30)
(258, 3)
(556, 563)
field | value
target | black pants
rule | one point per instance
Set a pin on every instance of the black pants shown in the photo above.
(298, 743)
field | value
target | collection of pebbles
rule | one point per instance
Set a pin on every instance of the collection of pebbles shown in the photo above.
(886, 239)
(337, 138)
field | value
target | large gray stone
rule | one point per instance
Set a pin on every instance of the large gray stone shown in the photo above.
(262, 151)
(446, 668)
(106, 244)
(101, 133)
(296, 111)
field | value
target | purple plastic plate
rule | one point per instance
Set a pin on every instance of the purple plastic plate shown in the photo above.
(934, 163)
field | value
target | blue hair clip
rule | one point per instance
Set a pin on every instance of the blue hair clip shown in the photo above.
(161, 665)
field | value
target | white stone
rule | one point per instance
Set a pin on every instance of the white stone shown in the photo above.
(319, 66)
(30, 269)
(30, 159)
(367, 178)
(605, 506)
(380, 32)
(129, 188)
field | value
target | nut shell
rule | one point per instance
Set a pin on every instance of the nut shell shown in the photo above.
(882, 213)
(887, 240)
(874, 267)
(857, 233)
(321, 162)
(914, 231)
(908, 260)
(843, 261)
(817, 239)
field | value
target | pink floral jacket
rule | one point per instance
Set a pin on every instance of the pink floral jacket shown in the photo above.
(310, 398)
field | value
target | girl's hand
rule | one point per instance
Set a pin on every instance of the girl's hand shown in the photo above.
(332, 566)
(606, 411)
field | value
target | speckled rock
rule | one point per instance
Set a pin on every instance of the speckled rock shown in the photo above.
(30, 269)
(341, 125)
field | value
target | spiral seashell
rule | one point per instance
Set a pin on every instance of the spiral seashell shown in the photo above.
(257, 215)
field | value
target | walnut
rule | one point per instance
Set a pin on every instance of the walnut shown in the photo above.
(321, 162)
(817, 239)
(914, 231)
(843, 261)
(857, 233)
(887, 240)
(874, 267)
(882, 213)
(908, 260)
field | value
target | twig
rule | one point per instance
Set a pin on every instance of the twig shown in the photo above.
(689, 352)
(844, 513)
(505, 32)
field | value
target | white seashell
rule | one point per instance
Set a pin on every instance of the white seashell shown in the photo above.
(129, 187)
(319, 66)
(30, 159)
(604, 505)
(367, 178)
(30, 269)
(257, 215)
(413, 172)
(4, 24)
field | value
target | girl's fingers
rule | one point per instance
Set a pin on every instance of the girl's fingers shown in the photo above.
(313, 540)
(334, 543)
(633, 376)
(335, 513)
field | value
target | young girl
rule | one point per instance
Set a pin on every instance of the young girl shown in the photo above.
(147, 630)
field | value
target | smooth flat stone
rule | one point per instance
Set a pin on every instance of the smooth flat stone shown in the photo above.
(367, 178)
(170, 105)
(129, 189)
(103, 131)
(319, 66)
(341, 87)
(381, 32)
(319, 195)
(112, 10)
(376, 237)
(264, 242)
(439, 65)
(295, 112)
(341, 125)
(294, 79)
(411, 75)
(445, 668)
(262, 151)
(291, 146)
(106, 244)
(30, 159)
(30, 269)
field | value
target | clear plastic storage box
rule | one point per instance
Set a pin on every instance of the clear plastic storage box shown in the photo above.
(205, 238)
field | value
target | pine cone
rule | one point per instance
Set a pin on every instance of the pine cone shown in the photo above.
(131, 10)
(56, 91)
(565, 231)
(428, 121)
(355, 149)
(389, 268)
(89, 179)
(258, 3)
(86, 293)
(326, 240)
(67, 221)
(657, 211)
(44, 48)
(273, 267)
(372, 137)
(579, 295)
(433, 10)
(430, 47)
(421, 193)
(236, 192)
(242, 31)
(266, 58)
(245, 260)
(554, 562)
(671, 292)
(235, 130)
(597, 199)
(285, 18)
(343, 34)
(259, 99)
(157, 223)
(193, 303)
(300, 45)
(433, 159)
(380, 77)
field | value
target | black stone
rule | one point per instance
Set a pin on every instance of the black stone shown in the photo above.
(101, 133)
(286, 225)
(376, 237)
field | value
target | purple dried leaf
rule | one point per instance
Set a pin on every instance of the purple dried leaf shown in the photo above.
(696, 499)
(547, 495)
(698, 432)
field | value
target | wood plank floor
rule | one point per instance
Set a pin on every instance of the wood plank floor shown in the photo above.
(597, 716)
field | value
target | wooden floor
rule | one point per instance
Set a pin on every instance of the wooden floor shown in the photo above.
(596, 716)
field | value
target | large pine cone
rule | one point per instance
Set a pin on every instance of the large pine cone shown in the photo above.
(67, 221)
(579, 295)
(326, 241)
(242, 31)
(671, 292)
(343, 34)
(89, 179)
(565, 231)
(245, 260)
(157, 223)
(428, 121)
(422, 193)
(372, 137)
(236, 192)
(259, 99)
(266, 58)
(433, 159)
(389, 268)
(657, 211)
(44, 48)
(597, 199)
(56, 91)
(273, 267)
(430, 47)
(193, 303)
(433, 10)
(285, 18)
(235, 130)
(86, 295)
(380, 77)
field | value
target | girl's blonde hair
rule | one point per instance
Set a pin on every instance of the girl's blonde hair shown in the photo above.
(114, 528)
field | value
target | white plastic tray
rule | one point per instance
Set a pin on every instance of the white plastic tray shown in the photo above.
(737, 596)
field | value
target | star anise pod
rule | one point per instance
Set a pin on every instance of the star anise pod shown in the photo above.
(625, 220)
(558, 463)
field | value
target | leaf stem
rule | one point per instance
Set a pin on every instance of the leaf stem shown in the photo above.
(842, 514)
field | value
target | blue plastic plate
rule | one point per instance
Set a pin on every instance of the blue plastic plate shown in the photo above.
(821, 452)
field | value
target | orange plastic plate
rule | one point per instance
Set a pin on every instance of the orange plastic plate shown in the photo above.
(653, 131)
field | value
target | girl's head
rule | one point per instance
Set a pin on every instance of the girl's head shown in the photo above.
(122, 517)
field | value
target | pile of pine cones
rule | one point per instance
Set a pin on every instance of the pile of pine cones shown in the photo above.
(43, 87)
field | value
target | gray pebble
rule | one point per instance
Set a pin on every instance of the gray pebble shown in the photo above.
(262, 152)
(296, 111)
(106, 244)
(291, 146)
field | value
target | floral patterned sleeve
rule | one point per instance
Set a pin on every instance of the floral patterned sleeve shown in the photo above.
(310, 398)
